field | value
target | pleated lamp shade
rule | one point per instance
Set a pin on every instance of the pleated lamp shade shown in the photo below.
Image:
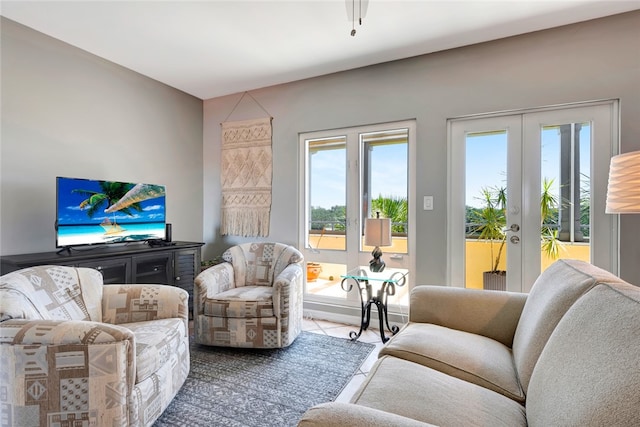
(377, 232)
(623, 194)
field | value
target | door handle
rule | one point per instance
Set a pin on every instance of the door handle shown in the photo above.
(514, 228)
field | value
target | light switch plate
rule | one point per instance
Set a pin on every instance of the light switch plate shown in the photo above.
(428, 203)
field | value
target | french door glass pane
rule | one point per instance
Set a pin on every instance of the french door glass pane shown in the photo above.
(326, 212)
(565, 192)
(384, 193)
(384, 184)
(327, 193)
(327, 281)
(485, 198)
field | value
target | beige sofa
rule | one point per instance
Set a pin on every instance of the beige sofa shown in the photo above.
(566, 354)
(74, 352)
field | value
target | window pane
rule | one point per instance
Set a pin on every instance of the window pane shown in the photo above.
(327, 193)
(565, 192)
(327, 281)
(485, 193)
(385, 183)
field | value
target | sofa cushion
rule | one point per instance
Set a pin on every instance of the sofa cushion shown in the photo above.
(156, 342)
(467, 356)
(414, 391)
(493, 314)
(589, 372)
(338, 414)
(243, 302)
(555, 290)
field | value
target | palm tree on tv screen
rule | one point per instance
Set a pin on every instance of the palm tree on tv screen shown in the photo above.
(110, 193)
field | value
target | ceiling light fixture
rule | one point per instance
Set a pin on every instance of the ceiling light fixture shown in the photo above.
(352, 9)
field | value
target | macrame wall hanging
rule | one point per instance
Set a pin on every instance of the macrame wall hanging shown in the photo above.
(246, 173)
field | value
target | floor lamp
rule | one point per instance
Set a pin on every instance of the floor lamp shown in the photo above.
(623, 193)
(377, 232)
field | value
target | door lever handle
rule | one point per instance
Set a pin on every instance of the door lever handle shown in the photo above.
(514, 228)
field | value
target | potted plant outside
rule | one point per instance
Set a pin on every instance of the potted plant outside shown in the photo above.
(313, 271)
(490, 225)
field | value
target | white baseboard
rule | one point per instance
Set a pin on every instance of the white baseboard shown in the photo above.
(348, 315)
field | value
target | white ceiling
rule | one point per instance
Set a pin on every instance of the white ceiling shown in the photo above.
(215, 48)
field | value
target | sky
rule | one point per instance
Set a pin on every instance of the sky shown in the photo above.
(486, 161)
(486, 167)
(389, 175)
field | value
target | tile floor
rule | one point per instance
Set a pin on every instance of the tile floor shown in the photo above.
(342, 331)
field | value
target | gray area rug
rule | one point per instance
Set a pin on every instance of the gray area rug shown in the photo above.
(250, 387)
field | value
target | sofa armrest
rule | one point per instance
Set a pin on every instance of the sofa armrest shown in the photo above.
(210, 282)
(494, 314)
(288, 285)
(336, 414)
(43, 357)
(61, 332)
(123, 304)
(287, 281)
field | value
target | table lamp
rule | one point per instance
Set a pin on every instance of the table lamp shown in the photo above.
(623, 193)
(377, 232)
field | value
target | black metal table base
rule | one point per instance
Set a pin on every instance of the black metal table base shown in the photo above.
(367, 300)
(366, 318)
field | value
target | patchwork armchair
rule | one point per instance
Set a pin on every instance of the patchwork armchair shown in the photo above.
(253, 299)
(74, 352)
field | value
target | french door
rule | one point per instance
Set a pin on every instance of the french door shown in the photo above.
(526, 189)
(350, 175)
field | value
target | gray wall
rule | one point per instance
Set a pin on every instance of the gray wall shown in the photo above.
(594, 60)
(66, 112)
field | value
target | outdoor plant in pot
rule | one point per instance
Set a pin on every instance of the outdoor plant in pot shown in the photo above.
(313, 271)
(490, 224)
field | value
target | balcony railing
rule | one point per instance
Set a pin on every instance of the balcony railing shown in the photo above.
(478, 253)
(338, 228)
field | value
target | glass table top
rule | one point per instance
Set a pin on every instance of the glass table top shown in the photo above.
(390, 275)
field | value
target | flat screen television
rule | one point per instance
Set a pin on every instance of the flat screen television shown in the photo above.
(93, 212)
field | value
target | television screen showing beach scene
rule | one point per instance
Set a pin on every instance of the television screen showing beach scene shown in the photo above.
(94, 211)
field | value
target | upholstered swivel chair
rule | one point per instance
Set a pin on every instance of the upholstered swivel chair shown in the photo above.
(76, 353)
(253, 299)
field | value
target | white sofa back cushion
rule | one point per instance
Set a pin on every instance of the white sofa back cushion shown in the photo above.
(555, 290)
(589, 372)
